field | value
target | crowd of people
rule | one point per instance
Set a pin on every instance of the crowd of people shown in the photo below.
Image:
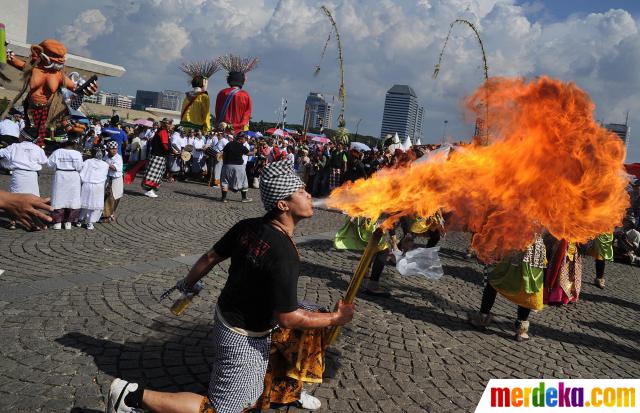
(191, 155)
(83, 192)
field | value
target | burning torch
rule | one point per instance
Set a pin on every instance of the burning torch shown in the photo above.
(356, 280)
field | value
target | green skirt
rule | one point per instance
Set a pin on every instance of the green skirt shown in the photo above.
(355, 235)
(602, 247)
(519, 283)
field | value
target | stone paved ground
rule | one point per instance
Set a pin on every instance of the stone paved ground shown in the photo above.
(79, 307)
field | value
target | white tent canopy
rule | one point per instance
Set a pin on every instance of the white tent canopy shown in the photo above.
(396, 143)
(407, 143)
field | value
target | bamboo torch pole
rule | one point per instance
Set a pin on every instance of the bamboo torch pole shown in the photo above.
(356, 280)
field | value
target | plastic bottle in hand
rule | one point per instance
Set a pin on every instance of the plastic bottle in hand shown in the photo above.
(185, 299)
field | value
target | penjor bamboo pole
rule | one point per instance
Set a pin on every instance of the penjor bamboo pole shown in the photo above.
(356, 280)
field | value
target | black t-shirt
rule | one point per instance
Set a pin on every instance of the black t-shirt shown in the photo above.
(157, 146)
(232, 153)
(263, 276)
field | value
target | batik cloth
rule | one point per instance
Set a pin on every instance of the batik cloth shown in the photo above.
(238, 369)
(112, 200)
(569, 278)
(61, 215)
(296, 357)
(155, 171)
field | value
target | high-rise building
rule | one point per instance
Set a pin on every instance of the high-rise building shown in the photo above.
(318, 112)
(402, 113)
(99, 98)
(171, 100)
(118, 101)
(621, 129)
(147, 99)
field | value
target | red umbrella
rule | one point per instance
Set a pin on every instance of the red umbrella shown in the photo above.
(143, 122)
(320, 139)
(277, 132)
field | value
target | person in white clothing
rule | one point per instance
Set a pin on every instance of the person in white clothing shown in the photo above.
(9, 129)
(93, 176)
(222, 142)
(134, 149)
(144, 141)
(65, 189)
(174, 162)
(115, 182)
(209, 149)
(89, 141)
(198, 165)
(24, 159)
(97, 127)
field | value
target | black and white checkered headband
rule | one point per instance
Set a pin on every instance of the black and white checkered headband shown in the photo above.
(112, 145)
(278, 181)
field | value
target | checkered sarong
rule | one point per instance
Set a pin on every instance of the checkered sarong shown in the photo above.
(155, 171)
(237, 372)
(38, 119)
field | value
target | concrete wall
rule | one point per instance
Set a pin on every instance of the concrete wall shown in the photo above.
(15, 16)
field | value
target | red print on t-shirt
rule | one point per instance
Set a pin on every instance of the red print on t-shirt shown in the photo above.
(256, 247)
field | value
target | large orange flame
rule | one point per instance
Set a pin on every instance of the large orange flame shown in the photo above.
(549, 166)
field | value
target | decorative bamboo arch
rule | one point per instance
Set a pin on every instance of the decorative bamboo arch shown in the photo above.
(484, 135)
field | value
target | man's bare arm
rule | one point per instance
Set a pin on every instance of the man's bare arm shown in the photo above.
(305, 320)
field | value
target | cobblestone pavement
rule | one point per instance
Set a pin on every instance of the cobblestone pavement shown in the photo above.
(79, 307)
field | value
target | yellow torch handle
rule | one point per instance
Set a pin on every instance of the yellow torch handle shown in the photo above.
(3, 48)
(356, 280)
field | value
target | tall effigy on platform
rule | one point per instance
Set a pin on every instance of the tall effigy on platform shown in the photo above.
(233, 104)
(196, 107)
(45, 106)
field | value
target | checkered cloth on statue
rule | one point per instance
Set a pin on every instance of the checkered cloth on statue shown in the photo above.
(278, 182)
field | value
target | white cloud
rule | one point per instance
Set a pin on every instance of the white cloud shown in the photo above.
(385, 42)
(164, 43)
(88, 25)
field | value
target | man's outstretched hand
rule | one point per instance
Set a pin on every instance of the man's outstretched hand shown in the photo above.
(344, 313)
(27, 209)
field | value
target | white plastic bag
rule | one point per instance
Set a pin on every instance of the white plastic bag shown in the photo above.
(420, 261)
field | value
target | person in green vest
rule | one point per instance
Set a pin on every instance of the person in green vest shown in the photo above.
(601, 249)
(520, 279)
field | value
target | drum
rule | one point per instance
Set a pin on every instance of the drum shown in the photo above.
(188, 148)
(185, 156)
(219, 156)
(210, 151)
